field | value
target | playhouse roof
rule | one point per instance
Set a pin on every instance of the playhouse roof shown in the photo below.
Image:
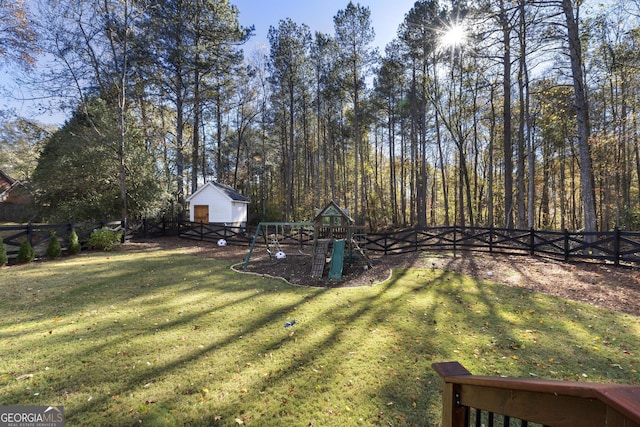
(332, 209)
(229, 192)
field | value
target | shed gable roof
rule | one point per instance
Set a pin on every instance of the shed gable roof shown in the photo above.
(233, 194)
(227, 191)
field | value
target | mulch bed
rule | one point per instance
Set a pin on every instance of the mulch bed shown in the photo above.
(296, 269)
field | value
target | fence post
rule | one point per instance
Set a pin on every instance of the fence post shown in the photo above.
(30, 233)
(386, 252)
(616, 246)
(455, 239)
(491, 239)
(201, 230)
(566, 245)
(532, 242)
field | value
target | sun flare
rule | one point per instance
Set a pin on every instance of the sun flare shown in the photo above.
(454, 35)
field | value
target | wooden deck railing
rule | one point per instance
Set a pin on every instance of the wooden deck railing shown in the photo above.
(470, 400)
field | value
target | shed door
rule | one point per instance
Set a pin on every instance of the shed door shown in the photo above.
(201, 213)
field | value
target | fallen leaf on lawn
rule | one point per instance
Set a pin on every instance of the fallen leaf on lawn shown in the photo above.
(239, 421)
(23, 376)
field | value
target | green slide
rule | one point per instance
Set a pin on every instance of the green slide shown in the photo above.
(337, 260)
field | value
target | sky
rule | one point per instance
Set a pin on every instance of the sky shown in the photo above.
(386, 16)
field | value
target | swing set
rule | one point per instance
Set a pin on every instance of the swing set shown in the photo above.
(332, 231)
(272, 233)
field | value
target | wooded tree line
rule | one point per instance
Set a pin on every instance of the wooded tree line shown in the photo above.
(506, 113)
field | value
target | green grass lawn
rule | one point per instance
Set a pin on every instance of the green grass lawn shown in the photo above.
(162, 338)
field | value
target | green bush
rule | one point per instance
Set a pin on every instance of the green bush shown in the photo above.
(3, 253)
(26, 253)
(74, 243)
(53, 248)
(104, 239)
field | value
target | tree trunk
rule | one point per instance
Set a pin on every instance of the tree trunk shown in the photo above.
(443, 173)
(195, 152)
(219, 163)
(520, 173)
(492, 138)
(506, 107)
(582, 112)
(180, 147)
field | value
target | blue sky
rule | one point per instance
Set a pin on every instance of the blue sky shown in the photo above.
(386, 16)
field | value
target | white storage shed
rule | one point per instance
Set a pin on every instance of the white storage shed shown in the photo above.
(217, 203)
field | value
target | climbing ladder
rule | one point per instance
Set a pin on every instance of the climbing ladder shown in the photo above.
(319, 258)
(362, 253)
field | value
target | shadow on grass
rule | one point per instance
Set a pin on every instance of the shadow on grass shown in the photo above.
(170, 339)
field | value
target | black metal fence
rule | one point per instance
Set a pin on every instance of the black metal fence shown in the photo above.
(611, 246)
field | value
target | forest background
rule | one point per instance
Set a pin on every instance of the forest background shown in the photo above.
(506, 113)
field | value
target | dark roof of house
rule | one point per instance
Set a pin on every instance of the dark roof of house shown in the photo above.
(6, 177)
(233, 194)
(10, 186)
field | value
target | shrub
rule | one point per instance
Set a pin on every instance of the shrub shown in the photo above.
(53, 248)
(74, 243)
(104, 239)
(26, 253)
(3, 253)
